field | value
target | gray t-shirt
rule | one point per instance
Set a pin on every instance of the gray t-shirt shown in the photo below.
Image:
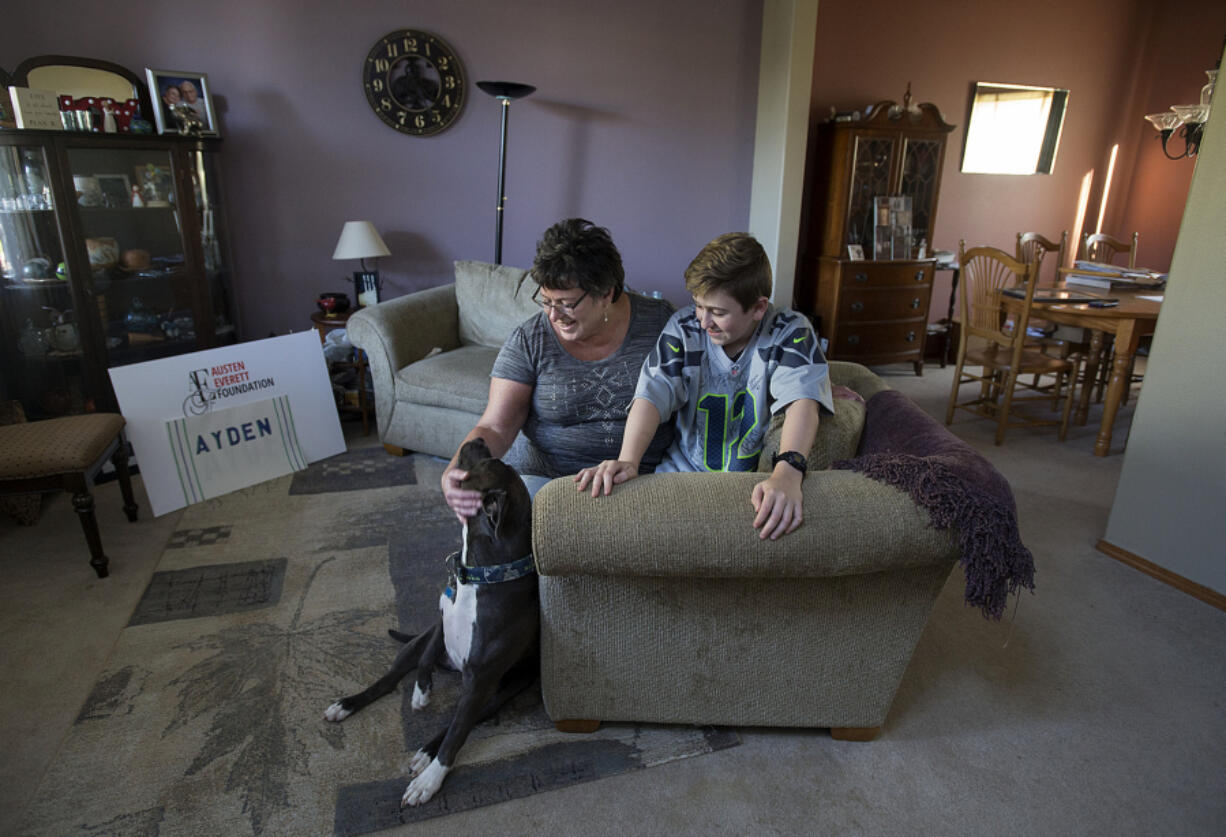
(578, 410)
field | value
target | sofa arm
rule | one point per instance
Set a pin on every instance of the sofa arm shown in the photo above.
(701, 525)
(406, 329)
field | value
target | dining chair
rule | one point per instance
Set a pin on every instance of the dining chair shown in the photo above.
(1100, 247)
(1033, 247)
(994, 342)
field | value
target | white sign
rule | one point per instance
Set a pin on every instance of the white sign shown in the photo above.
(159, 391)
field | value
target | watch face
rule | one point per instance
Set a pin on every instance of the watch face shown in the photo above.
(414, 82)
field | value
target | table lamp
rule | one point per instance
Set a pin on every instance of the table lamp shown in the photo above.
(360, 240)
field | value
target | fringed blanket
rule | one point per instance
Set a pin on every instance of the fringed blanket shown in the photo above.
(904, 447)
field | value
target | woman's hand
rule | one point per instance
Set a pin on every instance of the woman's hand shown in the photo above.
(778, 502)
(604, 476)
(464, 502)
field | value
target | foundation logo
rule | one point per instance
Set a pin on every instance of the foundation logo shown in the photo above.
(210, 385)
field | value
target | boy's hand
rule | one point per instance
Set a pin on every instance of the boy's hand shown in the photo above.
(778, 502)
(604, 476)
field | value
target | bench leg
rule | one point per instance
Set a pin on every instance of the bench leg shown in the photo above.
(120, 461)
(83, 502)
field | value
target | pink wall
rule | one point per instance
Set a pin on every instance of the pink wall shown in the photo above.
(1117, 63)
(643, 121)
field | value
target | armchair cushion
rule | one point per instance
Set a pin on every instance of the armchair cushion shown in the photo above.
(458, 379)
(837, 438)
(491, 302)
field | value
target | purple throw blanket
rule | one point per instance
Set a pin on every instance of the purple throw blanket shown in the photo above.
(904, 447)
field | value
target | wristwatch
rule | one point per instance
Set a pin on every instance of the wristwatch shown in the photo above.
(792, 458)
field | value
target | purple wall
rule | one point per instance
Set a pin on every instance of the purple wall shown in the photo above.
(643, 121)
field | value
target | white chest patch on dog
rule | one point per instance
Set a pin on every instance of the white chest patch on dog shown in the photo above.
(460, 616)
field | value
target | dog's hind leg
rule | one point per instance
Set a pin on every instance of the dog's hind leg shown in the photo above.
(409, 658)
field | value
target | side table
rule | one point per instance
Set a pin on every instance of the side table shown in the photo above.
(323, 324)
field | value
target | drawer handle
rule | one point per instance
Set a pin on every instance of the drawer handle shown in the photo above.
(854, 340)
(919, 276)
(910, 337)
(915, 303)
(861, 277)
(858, 306)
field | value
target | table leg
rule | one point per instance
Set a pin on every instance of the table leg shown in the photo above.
(1126, 339)
(1091, 375)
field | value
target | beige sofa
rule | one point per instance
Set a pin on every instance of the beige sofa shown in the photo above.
(431, 352)
(660, 604)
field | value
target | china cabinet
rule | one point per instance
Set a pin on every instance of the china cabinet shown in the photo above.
(112, 251)
(872, 311)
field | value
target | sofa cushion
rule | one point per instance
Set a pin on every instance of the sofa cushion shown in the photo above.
(838, 436)
(491, 301)
(459, 379)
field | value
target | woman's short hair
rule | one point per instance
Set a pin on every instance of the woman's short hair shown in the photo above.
(576, 253)
(734, 263)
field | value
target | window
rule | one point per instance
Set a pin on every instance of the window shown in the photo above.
(1013, 129)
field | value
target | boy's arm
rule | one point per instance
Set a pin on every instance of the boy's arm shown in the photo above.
(641, 424)
(778, 499)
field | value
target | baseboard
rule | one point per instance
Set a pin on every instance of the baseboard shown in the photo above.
(1197, 591)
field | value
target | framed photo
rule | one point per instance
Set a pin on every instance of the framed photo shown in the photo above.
(156, 186)
(185, 91)
(855, 252)
(116, 189)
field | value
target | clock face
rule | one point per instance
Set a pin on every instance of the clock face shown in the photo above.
(414, 82)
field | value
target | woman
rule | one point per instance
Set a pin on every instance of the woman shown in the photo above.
(566, 376)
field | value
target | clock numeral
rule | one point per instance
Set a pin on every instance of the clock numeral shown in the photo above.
(436, 117)
(382, 65)
(376, 85)
(402, 116)
(410, 45)
(446, 100)
(392, 51)
(385, 103)
(449, 82)
(444, 64)
(420, 120)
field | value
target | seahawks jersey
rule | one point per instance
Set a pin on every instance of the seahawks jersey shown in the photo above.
(723, 407)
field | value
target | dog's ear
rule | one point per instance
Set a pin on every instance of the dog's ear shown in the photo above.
(493, 502)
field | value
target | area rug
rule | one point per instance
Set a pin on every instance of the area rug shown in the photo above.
(268, 604)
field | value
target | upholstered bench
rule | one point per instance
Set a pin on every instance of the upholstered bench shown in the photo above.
(66, 453)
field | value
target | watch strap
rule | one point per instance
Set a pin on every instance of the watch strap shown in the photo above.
(792, 458)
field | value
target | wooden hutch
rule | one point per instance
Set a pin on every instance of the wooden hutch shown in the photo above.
(872, 311)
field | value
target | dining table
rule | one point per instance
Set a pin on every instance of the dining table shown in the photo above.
(1126, 313)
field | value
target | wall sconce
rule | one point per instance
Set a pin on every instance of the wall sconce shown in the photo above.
(1192, 118)
(360, 240)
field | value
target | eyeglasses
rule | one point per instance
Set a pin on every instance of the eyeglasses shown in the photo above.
(566, 308)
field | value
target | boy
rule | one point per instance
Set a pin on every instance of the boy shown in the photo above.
(723, 367)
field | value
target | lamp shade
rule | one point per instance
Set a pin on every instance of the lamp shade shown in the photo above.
(360, 240)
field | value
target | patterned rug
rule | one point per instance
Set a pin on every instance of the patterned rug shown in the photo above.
(269, 604)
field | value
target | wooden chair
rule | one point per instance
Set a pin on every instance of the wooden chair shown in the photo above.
(1100, 247)
(1032, 248)
(994, 342)
(67, 453)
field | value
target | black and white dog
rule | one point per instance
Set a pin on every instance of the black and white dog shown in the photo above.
(489, 623)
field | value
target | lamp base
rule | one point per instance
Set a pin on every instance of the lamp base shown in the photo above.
(366, 287)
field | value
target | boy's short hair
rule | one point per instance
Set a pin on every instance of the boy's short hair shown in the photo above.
(734, 263)
(577, 253)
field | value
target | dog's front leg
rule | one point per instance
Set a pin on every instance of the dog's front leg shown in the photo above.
(430, 656)
(473, 701)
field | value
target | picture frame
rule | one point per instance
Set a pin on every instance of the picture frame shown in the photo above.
(189, 88)
(116, 189)
(855, 252)
(157, 187)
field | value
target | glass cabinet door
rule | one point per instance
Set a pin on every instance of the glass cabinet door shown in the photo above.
(40, 344)
(133, 236)
(214, 244)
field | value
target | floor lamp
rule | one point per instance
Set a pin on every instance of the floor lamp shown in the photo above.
(505, 92)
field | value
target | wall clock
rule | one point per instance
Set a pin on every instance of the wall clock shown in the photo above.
(414, 82)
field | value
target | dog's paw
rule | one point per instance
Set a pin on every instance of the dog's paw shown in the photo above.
(421, 789)
(337, 712)
(421, 698)
(420, 761)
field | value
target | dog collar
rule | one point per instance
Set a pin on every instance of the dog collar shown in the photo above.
(496, 573)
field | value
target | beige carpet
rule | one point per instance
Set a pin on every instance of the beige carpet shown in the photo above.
(267, 605)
